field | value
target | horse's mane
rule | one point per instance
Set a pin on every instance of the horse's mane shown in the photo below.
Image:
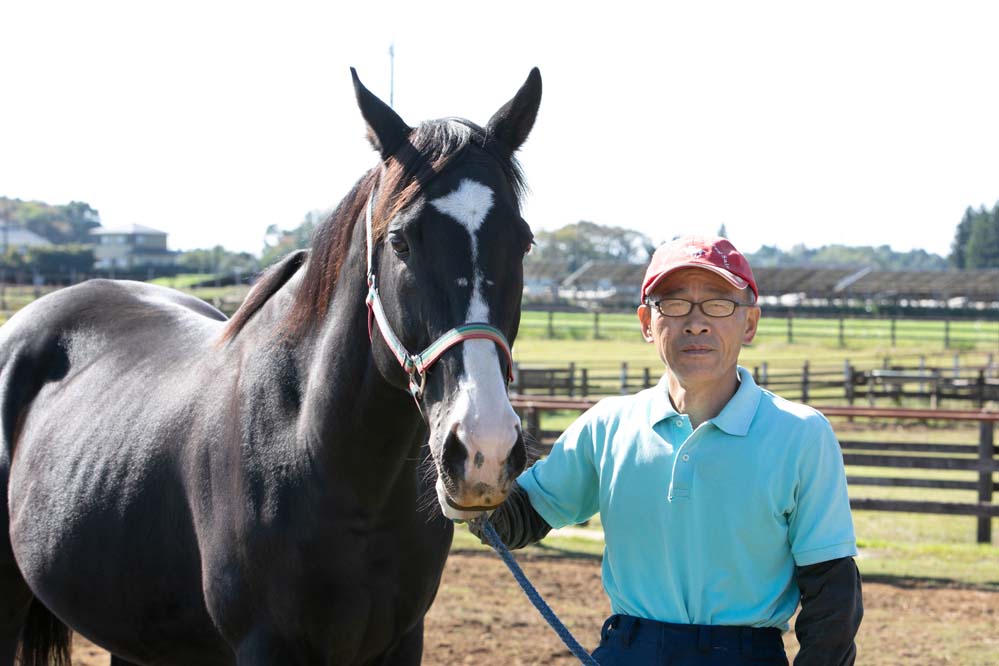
(429, 148)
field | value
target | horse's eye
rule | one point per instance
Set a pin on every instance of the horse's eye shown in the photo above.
(399, 245)
(530, 246)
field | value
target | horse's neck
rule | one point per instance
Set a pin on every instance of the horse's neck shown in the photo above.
(359, 426)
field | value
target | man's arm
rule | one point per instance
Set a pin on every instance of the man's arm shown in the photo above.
(831, 610)
(515, 520)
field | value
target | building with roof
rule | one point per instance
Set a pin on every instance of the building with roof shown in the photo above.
(19, 239)
(130, 247)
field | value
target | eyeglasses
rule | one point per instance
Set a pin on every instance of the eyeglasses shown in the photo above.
(713, 307)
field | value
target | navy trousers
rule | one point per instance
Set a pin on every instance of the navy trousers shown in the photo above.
(639, 642)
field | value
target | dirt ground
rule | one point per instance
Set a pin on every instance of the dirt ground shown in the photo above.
(481, 617)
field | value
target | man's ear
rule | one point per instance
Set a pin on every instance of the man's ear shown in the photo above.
(645, 320)
(752, 324)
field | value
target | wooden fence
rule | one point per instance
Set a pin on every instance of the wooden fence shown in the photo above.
(980, 459)
(843, 329)
(894, 383)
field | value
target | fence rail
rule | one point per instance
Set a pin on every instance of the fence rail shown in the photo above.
(933, 385)
(981, 458)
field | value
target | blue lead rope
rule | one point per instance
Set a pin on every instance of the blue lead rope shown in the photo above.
(532, 594)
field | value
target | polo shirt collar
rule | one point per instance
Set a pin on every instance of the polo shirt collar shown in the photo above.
(661, 407)
(734, 419)
(737, 415)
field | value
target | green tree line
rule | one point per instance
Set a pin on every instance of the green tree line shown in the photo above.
(62, 225)
(976, 240)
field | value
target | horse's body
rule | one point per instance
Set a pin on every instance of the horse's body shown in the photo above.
(186, 490)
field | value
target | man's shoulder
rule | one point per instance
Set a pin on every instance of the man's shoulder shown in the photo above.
(617, 407)
(790, 412)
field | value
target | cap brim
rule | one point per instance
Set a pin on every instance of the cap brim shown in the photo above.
(731, 278)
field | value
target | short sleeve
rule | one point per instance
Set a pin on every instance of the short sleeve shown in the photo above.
(820, 527)
(564, 486)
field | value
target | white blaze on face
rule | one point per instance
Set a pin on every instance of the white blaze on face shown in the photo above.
(487, 423)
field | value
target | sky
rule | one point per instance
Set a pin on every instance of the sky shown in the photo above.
(860, 123)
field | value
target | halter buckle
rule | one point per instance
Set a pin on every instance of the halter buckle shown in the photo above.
(417, 379)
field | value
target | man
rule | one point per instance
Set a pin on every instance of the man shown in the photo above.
(722, 504)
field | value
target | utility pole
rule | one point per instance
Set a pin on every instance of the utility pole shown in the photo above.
(392, 75)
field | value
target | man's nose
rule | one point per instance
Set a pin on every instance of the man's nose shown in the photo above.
(697, 322)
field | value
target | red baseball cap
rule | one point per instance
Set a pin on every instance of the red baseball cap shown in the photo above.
(712, 253)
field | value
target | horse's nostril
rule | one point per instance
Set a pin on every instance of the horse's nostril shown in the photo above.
(454, 455)
(517, 459)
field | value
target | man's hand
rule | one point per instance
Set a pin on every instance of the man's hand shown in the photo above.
(515, 520)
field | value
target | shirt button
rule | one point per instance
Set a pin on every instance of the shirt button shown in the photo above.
(685, 457)
(679, 422)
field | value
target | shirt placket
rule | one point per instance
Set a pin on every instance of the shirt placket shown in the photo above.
(682, 477)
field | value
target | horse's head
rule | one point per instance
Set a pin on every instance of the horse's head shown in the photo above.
(448, 244)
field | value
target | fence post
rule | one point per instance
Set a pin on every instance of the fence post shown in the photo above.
(980, 389)
(531, 425)
(584, 381)
(515, 383)
(804, 382)
(572, 379)
(848, 382)
(756, 375)
(893, 330)
(765, 376)
(842, 342)
(596, 325)
(624, 377)
(922, 369)
(551, 324)
(790, 332)
(985, 445)
(946, 333)
(646, 377)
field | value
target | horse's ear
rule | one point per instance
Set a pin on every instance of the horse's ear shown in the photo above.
(386, 130)
(512, 123)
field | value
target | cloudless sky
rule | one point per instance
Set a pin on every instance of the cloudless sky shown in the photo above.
(863, 123)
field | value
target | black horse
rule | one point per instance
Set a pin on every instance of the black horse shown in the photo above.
(182, 489)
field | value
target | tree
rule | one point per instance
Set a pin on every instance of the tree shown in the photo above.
(982, 248)
(843, 256)
(60, 224)
(279, 242)
(217, 260)
(585, 241)
(61, 259)
(722, 231)
(957, 248)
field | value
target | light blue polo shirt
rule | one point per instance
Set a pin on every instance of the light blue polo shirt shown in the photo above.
(703, 526)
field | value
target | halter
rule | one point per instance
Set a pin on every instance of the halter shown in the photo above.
(417, 365)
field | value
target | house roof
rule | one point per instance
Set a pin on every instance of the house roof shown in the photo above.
(128, 229)
(18, 237)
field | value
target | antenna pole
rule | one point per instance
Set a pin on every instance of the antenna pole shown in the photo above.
(392, 75)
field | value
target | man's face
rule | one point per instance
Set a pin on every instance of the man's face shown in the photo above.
(698, 349)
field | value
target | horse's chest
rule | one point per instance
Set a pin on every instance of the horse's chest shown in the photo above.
(355, 591)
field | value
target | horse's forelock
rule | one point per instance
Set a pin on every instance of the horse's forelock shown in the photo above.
(425, 155)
